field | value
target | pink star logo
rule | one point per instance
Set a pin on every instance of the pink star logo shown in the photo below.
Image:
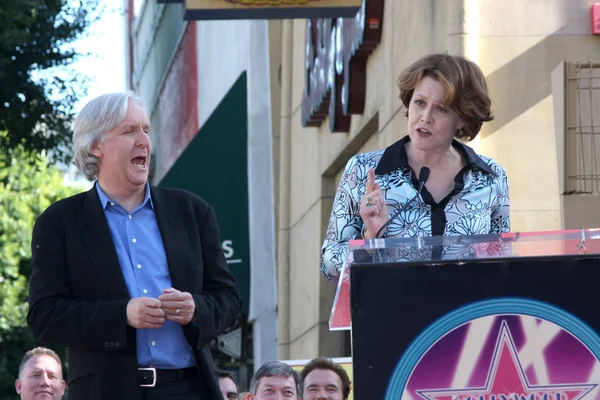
(506, 380)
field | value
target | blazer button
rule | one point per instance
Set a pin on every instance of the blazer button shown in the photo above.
(111, 344)
(106, 345)
(135, 379)
(116, 344)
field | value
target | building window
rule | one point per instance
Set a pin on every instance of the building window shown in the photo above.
(576, 96)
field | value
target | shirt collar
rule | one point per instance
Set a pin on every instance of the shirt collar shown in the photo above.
(395, 157)
(104, 199)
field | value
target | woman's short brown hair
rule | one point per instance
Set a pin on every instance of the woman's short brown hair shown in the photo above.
(464, 86)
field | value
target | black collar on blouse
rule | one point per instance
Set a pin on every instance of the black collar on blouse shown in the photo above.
(395, 157)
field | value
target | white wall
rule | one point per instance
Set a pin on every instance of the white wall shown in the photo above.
(222, 57)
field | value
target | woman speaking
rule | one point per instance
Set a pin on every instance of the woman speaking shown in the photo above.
(427, 183)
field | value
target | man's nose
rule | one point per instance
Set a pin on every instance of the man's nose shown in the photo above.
(45, 380)
(143, 139)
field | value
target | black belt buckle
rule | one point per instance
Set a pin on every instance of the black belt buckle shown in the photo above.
(153, 384)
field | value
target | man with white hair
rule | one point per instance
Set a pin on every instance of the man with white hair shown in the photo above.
(130, 277)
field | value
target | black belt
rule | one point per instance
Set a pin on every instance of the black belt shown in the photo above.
(150, 377)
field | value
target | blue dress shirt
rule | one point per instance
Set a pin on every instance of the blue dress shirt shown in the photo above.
(143, 261)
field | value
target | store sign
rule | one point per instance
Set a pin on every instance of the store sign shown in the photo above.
(337, 51)
(267, 9)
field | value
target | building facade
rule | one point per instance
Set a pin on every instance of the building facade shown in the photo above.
(518, 44)
(538, 58)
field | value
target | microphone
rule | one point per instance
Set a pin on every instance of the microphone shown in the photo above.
(423, 176)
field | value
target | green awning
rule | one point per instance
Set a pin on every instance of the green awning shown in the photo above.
(215, 167)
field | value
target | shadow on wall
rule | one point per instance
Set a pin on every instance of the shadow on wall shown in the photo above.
(526, 78)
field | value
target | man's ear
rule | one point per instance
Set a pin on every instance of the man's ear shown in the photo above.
(18, 386)
(95, 149)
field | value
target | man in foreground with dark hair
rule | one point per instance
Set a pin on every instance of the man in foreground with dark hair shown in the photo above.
(322, 379)
(229, 388)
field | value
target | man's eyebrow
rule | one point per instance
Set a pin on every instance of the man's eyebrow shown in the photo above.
(134, 125)
(285, 387)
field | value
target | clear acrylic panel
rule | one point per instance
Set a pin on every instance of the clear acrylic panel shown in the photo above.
(430, 250)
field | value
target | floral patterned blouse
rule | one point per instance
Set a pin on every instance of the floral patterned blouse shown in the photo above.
(479, 203)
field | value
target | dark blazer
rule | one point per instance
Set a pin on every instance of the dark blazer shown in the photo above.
(78, 296)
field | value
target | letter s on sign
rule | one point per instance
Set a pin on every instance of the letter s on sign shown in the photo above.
(227, 248)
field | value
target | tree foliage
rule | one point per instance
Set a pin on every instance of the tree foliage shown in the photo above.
(27, 187)
(38, 91)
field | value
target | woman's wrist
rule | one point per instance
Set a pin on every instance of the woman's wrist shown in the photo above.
(366, 234)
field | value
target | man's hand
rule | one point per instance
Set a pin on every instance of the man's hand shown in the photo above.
(178, 306)
(144, 312)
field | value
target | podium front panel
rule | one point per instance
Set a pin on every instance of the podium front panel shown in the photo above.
(499, 329)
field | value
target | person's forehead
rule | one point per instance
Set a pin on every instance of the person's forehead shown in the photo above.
(135, 112)
(429, 85)
(323, 377)
(278, 381)
(42, 362)
(227, 382)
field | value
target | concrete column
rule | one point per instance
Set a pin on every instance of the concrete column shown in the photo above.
(283, 237)
(263, 297)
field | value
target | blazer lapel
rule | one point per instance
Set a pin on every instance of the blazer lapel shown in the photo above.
(175, 241)
(99, 244)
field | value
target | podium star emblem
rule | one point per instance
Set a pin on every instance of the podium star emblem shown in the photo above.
(506, 380)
